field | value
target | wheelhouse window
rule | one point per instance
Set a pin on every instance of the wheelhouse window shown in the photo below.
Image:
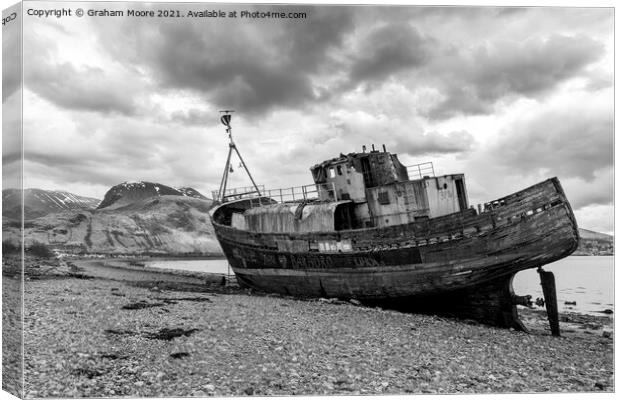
(383, 198)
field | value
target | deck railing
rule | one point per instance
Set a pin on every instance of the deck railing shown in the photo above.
(312, 192)
(419, 171)
(237, 193)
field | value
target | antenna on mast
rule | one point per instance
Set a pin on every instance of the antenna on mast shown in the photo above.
(225, 119)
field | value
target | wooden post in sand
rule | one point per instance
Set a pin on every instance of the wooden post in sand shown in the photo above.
(547, 281)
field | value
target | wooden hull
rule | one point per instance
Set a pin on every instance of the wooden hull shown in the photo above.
(416, 263)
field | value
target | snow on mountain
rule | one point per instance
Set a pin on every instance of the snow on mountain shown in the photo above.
(39, 202)
(191, 192)
(130, 192)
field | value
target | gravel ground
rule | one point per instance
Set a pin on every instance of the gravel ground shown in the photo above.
(11, 334)
(143, 338)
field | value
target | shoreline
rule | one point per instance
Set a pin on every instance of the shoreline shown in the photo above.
(144, 333)
(126, 264)
(110, 268)
(535, 318)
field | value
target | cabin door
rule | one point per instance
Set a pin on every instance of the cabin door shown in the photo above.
(342, 217)
(460, 193)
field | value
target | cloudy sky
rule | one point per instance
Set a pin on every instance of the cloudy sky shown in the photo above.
(508, 96)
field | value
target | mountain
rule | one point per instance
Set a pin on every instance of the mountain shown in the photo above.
(133, 218)
(38, 202)
(166, 225)
(131, 192)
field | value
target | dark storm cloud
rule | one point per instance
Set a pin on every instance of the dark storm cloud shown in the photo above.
(107, 167)
(388, 50)
(58, 160)
(399, 136)
(588, 194)
(574, 142)
(85, 89)
(479, 78)
(246, 65)
(232, 76)
(510, 11)
(74, 168)
(8, 158)
(599, 81)
(435, 143)
(310, 42)
(193, 117)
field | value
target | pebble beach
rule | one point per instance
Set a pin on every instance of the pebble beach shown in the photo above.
(95, 331)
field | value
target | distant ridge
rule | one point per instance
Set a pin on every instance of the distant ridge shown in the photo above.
(591, 235)
(39, 202)
(594, 243)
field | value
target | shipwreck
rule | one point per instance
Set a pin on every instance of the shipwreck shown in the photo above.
(371, 229)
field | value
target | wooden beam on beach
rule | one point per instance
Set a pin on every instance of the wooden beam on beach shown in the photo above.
(547, 281)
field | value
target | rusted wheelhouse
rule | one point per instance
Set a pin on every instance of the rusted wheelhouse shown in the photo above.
(373, 230)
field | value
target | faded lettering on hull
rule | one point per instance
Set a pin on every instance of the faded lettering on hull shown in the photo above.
(367, 262)
(260, 259)
(311, 262)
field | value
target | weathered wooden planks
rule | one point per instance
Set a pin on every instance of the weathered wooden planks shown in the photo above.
(467, 259)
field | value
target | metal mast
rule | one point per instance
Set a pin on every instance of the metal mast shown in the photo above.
(225, 119)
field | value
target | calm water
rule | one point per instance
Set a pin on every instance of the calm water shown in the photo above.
(589, 281)
(213, 266)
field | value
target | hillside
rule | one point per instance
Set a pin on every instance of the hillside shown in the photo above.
(38, 202)
(160, 225)
(594, 243)
(591, 235)
(133, 218)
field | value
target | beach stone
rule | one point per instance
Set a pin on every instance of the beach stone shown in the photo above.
(606, 333)
(209, 388)
(339, 349)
